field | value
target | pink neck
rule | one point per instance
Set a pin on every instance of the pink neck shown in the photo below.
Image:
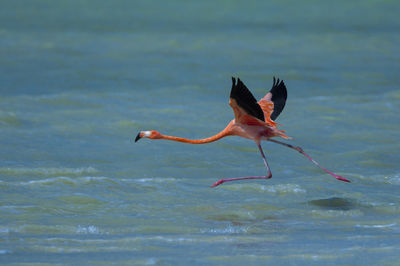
(218, 136)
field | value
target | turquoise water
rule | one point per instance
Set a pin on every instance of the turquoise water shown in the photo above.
(79, 79)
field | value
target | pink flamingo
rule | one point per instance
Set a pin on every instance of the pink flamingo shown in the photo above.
(253, 120)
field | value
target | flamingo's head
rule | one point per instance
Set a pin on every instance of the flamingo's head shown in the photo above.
(152, 134)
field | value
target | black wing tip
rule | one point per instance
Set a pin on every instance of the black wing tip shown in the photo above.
(137, 137)
(278, 88)
(238, 83)
(245, 99)
(279, 96)
(278, 83)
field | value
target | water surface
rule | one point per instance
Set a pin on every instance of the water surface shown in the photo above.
(81, 78)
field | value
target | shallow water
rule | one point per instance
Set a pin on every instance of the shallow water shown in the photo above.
(81, 78)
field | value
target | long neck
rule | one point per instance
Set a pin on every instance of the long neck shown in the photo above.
(218, 136)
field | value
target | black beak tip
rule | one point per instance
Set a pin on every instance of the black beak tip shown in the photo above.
(137, 137)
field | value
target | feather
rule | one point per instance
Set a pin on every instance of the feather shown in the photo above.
(245, 99)
(279, 96)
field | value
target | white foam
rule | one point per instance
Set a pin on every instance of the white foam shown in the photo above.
(64, 179)
(178, 239)
(44, 171)
(394, 180)
(227, 230)
(91, 229)
(48, 180)
(376, 225)
(154, 179)
(283, 188)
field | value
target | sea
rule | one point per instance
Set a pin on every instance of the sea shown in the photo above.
(80, 79)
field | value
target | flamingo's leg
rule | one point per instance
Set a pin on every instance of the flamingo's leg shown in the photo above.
(299, 149)
(219, 182)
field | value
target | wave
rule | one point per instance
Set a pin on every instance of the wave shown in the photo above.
(154, 179)
(91, 229)
(53, 229)
(376, 225)
(9, 119)
(273, 189)
(227, 230)
(44, 171)
(392, 179)
(61, 180)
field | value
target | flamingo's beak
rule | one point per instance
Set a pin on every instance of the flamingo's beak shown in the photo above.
(138, 137)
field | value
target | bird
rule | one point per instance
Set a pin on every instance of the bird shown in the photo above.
(253, 120)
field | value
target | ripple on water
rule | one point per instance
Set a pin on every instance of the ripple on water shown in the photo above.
(91, 229)
(152, 179)
(393, 179)
(379, 226)
(230, 229)
(47, 172)
(336, 213)
(272, 189)
(63, 180)
(51, 229)
(9, 119)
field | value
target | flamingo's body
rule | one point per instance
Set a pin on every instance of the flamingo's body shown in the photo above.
(253, 120)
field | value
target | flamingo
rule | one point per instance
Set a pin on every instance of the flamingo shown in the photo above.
(253, 120)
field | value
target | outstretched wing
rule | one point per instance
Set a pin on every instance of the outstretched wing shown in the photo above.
(243, 102)
(273, 103)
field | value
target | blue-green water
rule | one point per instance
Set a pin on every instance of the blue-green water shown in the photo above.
(79, 79)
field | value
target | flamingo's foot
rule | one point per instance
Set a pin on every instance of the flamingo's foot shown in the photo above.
(341, 178)
(219, 182)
